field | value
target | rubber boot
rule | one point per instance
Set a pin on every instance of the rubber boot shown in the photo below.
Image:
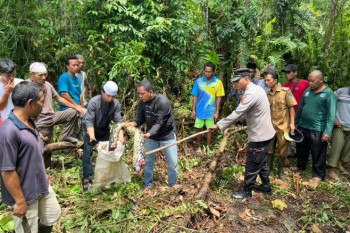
(244, 194)
(280, 168)
(44, 229)
(269, 162)
(265, 187)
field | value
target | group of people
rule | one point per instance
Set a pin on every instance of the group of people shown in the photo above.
(308, 108)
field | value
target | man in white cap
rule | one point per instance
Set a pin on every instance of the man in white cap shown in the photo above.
(102, 109)
(48, 118)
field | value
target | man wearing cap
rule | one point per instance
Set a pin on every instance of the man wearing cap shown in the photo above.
(7, 84)
(255, 108)
(207, 93)
(155, 110)
(25, 185)
(282, 104)
(102, 109)
(315, 120)
(297, 86)
(340, 147)
(82, 76)
(48, 118)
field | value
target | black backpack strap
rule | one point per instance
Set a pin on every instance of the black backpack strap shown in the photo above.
(295, 85)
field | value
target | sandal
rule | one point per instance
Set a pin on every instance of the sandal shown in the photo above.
(199, 152)
(86, 184)
(316, 179)
(333, 175)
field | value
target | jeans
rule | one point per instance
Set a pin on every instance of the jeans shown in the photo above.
(256, 164)
(88, 169)
(171, 157)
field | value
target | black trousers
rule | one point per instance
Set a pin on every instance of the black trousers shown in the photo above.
(256, 164)
(312, 142)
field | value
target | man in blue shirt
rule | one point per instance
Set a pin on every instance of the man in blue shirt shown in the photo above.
(69, 86)
(207, 93)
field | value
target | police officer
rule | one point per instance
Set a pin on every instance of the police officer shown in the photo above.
(255, 108)
(282, 104)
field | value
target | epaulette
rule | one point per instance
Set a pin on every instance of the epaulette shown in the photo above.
(285, 88)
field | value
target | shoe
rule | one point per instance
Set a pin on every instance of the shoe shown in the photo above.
(281, 174)
(264, 188)
(71, 140)
(244, 194)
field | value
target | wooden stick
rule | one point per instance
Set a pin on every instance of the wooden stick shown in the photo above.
(177, 142)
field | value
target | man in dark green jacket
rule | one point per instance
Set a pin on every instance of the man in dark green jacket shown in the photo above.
(315, 120)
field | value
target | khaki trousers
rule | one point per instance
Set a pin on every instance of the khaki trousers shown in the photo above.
(46, 208)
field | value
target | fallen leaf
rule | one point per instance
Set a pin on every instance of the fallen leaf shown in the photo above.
(214, 212)
(316, 229)
(181, 198)
(222, 208)
(310, 184)
(281, 183)
(256, 198)
(245, 215)
(279, 204)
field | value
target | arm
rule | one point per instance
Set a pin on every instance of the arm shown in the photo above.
(13, 185)
(89, 119)
(91, 133)
(67, 97)
(8, 88)
(218, 102)
(195, 100)
(81, 101)
(331, 113)
(292, 119)
(140, 118)
(300, 111)
(117, 118)
(70, 105)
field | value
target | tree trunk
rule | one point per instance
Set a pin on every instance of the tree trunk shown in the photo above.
(61, 145)
(332, 18)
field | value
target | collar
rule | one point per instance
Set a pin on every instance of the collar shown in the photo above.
(277, 89)
(213, 79)
(18, 123)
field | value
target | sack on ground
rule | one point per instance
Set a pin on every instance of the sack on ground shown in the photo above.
(110, 166)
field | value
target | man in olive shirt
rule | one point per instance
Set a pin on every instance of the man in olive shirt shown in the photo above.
(282, 104)
(315, 120)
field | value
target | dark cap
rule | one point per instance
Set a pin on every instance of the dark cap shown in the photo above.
(269, 68)
(290, 68)
(239, 73)
(296, 137)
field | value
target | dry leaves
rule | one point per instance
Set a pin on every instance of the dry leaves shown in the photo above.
(279, 204)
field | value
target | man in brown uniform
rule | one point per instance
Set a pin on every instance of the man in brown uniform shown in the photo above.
(282, 104)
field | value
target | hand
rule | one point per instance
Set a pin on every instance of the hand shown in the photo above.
(92, 139)
(194, 114)
(326, 138)
(146, 135)
(337, 123)
(20, 209)
(213, 128)
(216, 116)
(48, 179)
(9, 86)
(131, 123)
(292, 128)
(80, 111)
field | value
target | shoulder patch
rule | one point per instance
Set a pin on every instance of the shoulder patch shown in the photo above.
(290, 96)
(285, 88)
(243, 97)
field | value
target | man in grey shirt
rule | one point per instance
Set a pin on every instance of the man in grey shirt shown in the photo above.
(102, 109)
(255, 108)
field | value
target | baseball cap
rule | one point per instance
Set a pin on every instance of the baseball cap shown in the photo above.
(290, 68)
(296, 137)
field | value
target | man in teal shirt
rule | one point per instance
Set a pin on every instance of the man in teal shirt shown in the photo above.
(315, 120)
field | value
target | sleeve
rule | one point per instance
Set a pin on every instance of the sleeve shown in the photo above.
(53, 91)
(195, 89)
(140, 118)
(248, 100)
(220, 91)
(290, 100)
(62, 84)
(9, 151)
(90, 114)
(86, 80)
(117, 118)
(332, 110)
(300, 110)
(164, 108)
